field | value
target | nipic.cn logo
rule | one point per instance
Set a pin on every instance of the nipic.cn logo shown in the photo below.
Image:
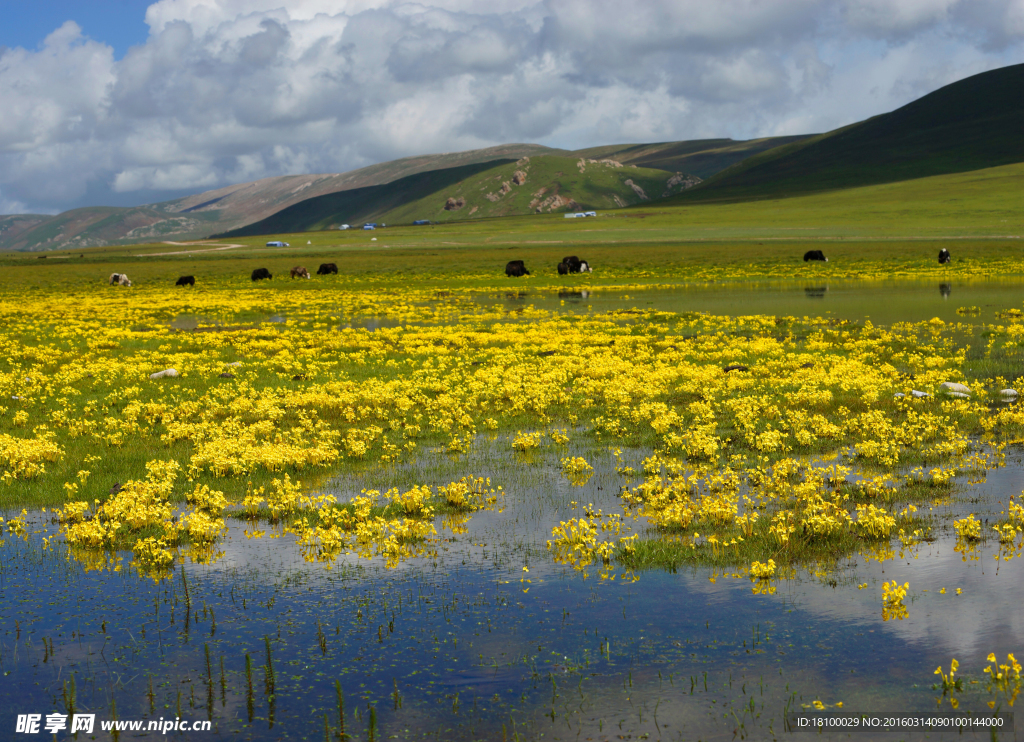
(34, 724)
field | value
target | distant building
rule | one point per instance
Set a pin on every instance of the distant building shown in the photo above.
(343, 226)
(421, 222)
(277, 243)
(369, 226)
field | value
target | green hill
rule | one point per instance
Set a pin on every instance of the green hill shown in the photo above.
(358, 205)
(972, 124)
(543, 184)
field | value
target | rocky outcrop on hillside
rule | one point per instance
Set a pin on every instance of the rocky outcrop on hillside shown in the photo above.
(518, 178)
(637, 189)
(680, 182)
(454, 204)
(583, 162)
(551, 203)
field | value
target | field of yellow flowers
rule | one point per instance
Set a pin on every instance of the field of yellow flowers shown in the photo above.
(562, 498)
(763, 441)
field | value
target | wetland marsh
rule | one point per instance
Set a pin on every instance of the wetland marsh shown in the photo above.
(656, 503)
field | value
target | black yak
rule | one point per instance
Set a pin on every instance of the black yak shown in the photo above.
(327, 269)
(300, 272)
(815, 255)
(516, 269)
(186, 281)
(260, 273)
(944, 256)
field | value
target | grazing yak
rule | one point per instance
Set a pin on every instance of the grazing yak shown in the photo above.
(186, 281)
(516, 269)
(944, 256)
(119, 279)
(299, 272)
(572, 264)
(327, 269)
(815, 255)
(260, 273)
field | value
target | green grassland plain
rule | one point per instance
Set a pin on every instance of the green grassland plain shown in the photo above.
(871, 232)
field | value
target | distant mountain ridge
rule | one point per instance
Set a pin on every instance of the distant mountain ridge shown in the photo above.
(233, 207)
(198, 216)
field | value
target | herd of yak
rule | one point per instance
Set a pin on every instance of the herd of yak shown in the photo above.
(325, 269)
(514, 269)
(571, 264)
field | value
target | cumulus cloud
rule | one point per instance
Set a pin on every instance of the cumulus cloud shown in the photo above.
(230, 90)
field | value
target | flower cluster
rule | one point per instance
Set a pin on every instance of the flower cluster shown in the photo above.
(892, 602)
(1004, 678)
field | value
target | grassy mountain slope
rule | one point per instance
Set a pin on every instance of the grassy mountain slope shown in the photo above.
(541, 184)
(962, 209)
(358, 205)
(969, 125)
(701, 157)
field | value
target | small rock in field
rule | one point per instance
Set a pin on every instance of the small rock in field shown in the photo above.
(1008, 392)
(166, 373)
(919, 395)
(116, 488)
(954, 388)
(735, 367)
(226, 375)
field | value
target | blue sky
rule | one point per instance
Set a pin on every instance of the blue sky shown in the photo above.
(119, 23)
(119, 103)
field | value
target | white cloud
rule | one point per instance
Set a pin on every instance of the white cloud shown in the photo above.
(897, 16)
(226, 90)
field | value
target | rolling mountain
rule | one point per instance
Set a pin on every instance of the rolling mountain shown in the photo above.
(971, 124)
(234, 207)
(540, 184)
(196, 217)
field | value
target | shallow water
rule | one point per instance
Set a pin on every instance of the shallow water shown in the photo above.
(471, 646)
(882, 302)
